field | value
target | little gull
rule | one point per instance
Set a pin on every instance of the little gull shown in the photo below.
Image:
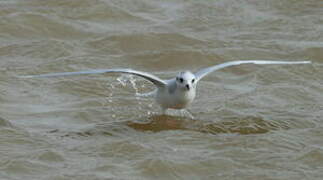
(175, 93)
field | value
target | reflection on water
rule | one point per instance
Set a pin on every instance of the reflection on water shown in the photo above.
(240, 125)
(158, 123)
(250, 122)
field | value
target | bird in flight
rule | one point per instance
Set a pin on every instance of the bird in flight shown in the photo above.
(178, 92)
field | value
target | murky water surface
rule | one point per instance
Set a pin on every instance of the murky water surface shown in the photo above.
(250, 122)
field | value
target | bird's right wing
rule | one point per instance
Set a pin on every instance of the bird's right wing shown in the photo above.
(154, 79)
(203, 72)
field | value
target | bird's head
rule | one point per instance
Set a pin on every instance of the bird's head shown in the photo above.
(186, 80)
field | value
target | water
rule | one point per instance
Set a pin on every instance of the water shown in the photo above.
(250, 122)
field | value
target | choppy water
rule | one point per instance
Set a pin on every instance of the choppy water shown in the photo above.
(251, 122)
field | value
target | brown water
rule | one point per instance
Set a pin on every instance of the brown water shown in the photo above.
(250, 122)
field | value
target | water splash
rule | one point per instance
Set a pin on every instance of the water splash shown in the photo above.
(122, 80)
(126, 79)
(134, 86)
(180, 113)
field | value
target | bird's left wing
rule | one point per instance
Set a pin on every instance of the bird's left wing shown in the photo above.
(203, 72)
(154, 79)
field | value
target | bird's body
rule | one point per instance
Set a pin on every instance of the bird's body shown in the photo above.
(176, 93)
(173, 97)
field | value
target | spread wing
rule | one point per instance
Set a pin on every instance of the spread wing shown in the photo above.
(203, 72)
(154, 79)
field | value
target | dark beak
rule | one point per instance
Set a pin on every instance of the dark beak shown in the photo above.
(187, 86)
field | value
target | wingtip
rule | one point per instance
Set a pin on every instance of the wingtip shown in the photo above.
(298, 62)
(31, 76)
(305, 62)
(25, 77)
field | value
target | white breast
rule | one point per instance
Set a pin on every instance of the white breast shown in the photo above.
(175, 98)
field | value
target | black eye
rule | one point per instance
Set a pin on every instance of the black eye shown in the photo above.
(193, 80)
(181, 80)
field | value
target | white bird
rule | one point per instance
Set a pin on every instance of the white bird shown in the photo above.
(175, 93)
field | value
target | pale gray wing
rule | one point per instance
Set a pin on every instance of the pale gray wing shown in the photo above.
(154, 79)
(203, 72)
